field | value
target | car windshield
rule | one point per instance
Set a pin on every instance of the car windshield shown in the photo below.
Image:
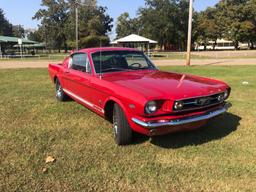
(113, 61)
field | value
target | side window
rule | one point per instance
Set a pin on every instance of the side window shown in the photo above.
(80, 62)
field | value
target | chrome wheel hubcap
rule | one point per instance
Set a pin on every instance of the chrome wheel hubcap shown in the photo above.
(58, 90)
(115, 128)
(115, 125)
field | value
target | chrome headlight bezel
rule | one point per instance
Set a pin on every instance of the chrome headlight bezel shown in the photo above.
(151, 107)
(226, 94)
(178, 105)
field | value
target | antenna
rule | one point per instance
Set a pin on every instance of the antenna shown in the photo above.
(100, 61)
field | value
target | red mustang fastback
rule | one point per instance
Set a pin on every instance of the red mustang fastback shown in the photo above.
(123, 86)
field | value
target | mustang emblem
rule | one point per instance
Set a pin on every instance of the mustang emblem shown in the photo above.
(203, 101)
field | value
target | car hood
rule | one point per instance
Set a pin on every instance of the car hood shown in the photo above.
(154, 84)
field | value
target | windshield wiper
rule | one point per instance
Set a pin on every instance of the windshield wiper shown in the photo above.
(139, 68)
(113, 69)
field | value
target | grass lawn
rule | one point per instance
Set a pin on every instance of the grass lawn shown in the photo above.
(218, 157)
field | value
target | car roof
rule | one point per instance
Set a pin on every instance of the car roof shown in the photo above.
(91, 50)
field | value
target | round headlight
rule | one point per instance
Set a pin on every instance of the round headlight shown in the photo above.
(178, 105)
(151, 107)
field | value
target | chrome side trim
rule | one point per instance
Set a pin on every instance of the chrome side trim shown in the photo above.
(84, 101)
(183, 121)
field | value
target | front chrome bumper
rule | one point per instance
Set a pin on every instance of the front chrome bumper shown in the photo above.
(183, 121)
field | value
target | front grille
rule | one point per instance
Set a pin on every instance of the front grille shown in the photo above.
(201, 102)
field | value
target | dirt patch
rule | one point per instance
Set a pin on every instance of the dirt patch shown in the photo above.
(9, 64)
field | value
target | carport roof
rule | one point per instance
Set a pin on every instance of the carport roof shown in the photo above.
(134, 39)
(7, 39)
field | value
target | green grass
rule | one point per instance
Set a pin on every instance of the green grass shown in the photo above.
(33, 125)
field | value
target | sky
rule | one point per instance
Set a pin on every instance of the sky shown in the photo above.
(22, 11)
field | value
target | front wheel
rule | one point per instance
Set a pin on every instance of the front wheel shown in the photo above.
(60, 94)
(121, 127)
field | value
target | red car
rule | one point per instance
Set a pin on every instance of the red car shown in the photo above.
(123, 86)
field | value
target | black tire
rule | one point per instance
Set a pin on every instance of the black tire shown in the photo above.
(60, 94)
(121, 127)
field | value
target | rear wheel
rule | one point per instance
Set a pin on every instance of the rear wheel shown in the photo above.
(60, 94)
(121, 127)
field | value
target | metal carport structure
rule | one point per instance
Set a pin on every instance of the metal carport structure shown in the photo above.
(11, 41)
(134, 39)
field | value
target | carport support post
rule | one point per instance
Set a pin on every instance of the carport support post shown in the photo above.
(1, 51)
(20, 44)
(148, 50)
(20, 51)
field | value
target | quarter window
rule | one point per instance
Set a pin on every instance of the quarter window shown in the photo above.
(80, 62)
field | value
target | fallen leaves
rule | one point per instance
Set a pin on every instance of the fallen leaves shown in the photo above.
(44, 170)
(49, 159)
(245, 83)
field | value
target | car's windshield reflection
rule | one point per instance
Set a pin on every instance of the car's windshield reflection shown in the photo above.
(114, 61)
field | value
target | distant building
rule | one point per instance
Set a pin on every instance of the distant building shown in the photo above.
(220, 44)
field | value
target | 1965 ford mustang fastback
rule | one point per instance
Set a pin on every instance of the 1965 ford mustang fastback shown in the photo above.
(123, 86)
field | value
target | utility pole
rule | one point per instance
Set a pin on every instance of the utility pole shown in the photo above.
(76, 26)
(189, 32)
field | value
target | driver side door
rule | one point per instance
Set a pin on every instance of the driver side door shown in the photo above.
(79, 76)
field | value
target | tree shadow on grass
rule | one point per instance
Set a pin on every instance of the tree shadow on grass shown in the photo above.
(215, 129)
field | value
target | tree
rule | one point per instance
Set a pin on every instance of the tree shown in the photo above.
(230, 19)
(5, 26)
(127, 25)
(38, 35)
(53, 18)
(94, 23)
(250, 24)
(58, 22)
(166, 22)
(206, 27)
(238, 17)
(156, 21)
(94, 41)
(18, 31)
